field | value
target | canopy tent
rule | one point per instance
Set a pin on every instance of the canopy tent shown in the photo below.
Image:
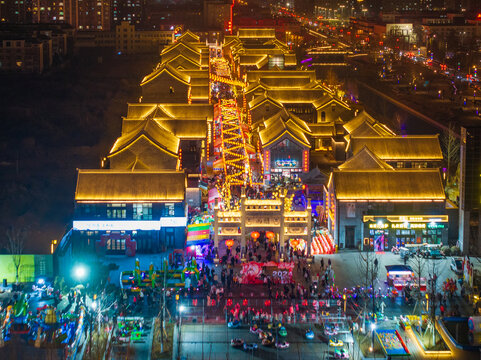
(198, 234)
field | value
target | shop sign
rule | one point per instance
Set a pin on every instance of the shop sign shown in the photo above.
(406, 226)
(378, 226)
(286, 163)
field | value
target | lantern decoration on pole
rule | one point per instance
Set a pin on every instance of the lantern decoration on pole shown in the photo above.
(229, 243)
(255, 235)
(294, 243)
(270, 235)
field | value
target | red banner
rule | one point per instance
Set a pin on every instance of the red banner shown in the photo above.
(279, 272)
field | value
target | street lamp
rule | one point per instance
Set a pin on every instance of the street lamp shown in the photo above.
(80, 272)
(373, 327)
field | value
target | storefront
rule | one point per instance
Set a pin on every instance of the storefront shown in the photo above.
(384, 232)
(287, 160)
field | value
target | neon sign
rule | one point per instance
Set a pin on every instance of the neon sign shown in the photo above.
(287, 163)
(126, 225)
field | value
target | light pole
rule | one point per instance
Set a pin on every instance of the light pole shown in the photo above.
(181, 309)
(373, 327)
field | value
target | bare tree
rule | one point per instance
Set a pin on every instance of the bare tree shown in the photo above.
(15, 245)
(433, 276)
(418, 264)
(450, 145)
(368, 270)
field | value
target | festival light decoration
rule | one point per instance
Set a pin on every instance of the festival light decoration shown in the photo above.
(255, 235)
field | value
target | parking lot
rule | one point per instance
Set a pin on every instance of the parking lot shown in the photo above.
(213, 342)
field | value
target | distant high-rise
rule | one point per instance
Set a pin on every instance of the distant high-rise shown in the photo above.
(128, 10)
(48, 11)
(217, 13)
(91, 14)
(469, 189)
(16, 11)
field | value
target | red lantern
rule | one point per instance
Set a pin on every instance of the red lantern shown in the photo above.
(255, 235)
(270, 235)
(294, 243)
(229, 243)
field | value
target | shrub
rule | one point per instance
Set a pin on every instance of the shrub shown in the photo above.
(455, 251)
(446, 250)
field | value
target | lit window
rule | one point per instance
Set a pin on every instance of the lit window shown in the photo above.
(142, 211)
(169, 210)
(116, 211)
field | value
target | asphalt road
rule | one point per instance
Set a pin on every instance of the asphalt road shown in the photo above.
(214, 343)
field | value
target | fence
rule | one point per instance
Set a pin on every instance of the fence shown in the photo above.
(261, 311)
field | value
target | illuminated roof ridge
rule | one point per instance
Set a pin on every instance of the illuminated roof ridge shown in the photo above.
(189, 34)
(365, 160)
(256, 33)
(165, 67)
(185, 58)
(189, 46)
(380, 184)
(327, 99)
(365, 125)
(400, 147)
(156, 134)
(287, 116)
(259, 100)
(276, 128)
(106, 185)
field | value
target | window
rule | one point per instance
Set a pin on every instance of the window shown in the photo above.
(169, 210)
(116, 211)
(116, 244)
(323, 116)
(142, 211)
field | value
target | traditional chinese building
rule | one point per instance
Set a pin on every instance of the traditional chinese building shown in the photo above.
(285, 147)
(123, 211)
(257, 48)
(369, 203)
(407, 151)
(182, 76)
(273, 215)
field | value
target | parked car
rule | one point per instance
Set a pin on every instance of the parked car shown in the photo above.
(341, 353)
(268, 341)
(236, 342)
(233, 324)
(254, 329)
(431, 251)
(282, 345)
(336, 342)
(250, 346)
(457, 265)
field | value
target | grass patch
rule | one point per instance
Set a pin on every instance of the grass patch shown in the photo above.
(430, 344)
(168, 340)
(364, 342)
